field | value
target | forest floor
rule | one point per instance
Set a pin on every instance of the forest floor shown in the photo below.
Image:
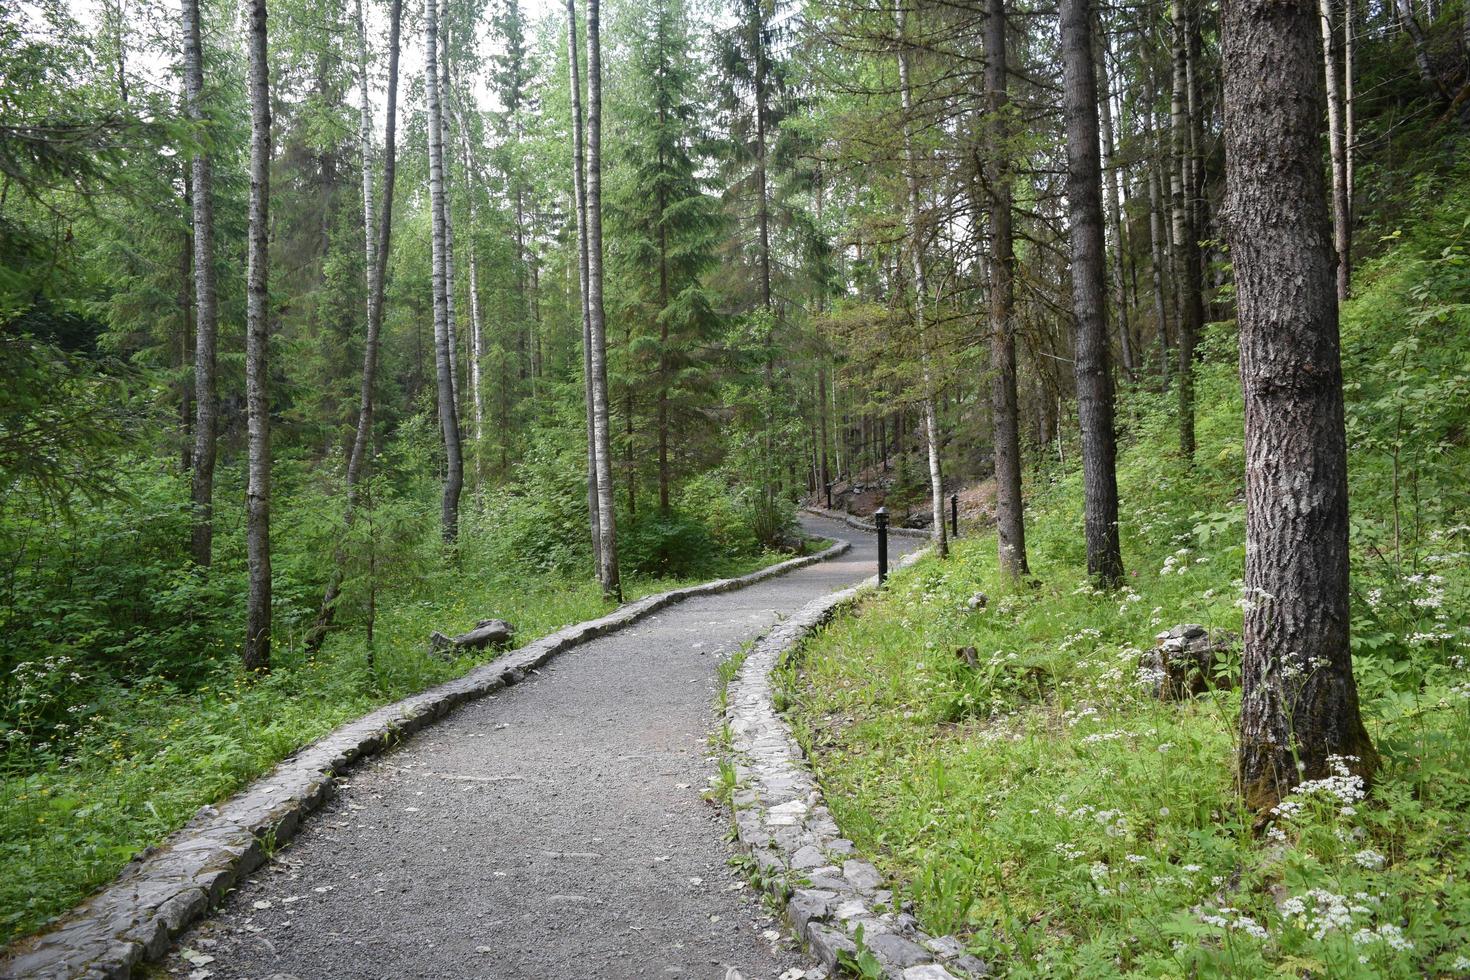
(556, 830)
(1037, 799)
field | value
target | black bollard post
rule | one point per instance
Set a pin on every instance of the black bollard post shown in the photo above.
(829, 496)
(880, 521)
(954, 515)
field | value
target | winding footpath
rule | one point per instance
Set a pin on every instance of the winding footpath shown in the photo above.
(556, 829)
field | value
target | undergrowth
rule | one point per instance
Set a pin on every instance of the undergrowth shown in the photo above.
(142, 758)
(1043, 805)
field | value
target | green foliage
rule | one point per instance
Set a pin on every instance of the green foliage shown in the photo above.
(1046, 807)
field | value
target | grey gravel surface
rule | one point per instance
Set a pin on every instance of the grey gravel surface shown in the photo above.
(555, 830)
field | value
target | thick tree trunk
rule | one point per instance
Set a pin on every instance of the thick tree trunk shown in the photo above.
(1010, 526)
(916, 259)
(579, 194)
(1186, 235)
(206, 302)
(443, 352)
(1299, 701)
(1094, 380)
(379, 234)
(1113, 177)
(1337, 148)
(257, 652)
(606, 515)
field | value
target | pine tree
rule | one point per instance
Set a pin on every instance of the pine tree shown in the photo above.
(669, 230)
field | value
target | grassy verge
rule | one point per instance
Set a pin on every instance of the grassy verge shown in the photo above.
(142, 762)
(1045, 807)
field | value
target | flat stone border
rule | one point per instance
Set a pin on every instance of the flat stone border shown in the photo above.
(783, 823)
(853, 521)
(166, 889)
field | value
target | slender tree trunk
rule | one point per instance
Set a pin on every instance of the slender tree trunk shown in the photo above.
(206, 302)
(443, 352)
(186, 326)
(1157, 248)
(1094, 380)
(257, 652)
(606, 516)
(1158, 244)
(1349, 135)
(472, 289)
(663, 349)
(379, 234)
(1337, 148)
(1421, 50)
(1299, 706)
(823, 414)
(1186, 236)
(916, 258)
(365, 150)
(1113, 177)
(579, 193)
(1010, 525)
(446, 95)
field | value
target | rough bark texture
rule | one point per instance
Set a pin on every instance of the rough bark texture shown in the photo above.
(206, 303)
(607, 552)
(1010, 525)
(1299, 701)
(916, 259)
(443, 353)
(1337, 148)
(257, 652)
(579, 194)
(1089, 300)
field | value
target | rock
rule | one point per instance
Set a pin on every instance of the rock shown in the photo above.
(977, 601)
(896, 950)
(1185, 662)
(493, 633)
(862, 874)
(927, 971)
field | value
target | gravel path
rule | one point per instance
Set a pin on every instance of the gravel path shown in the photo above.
(555, 830)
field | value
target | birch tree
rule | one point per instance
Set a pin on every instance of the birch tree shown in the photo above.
(916, 263)
(206, 301)
(443, 353)
(579, 202)
(257, 653)
(607, 553)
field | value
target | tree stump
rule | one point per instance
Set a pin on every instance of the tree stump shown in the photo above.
(1184, 664)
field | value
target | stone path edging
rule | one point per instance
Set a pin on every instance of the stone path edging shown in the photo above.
(852, 521)
(783, 823)
(166, 889)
